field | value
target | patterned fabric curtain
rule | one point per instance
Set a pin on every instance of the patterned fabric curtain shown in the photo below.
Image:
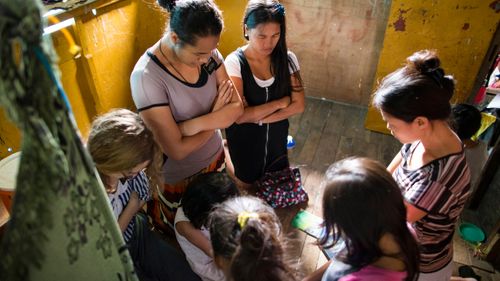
(61, 225)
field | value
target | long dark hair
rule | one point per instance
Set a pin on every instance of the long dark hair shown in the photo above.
(191, 19)
(420, 88)
(361, 203)
(203, 193)
(246, 232)
(265, 11)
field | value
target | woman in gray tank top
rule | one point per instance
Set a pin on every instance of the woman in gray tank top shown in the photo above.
(183, 92)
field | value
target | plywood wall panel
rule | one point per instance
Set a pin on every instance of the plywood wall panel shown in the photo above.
(338, 44)
(459, 30)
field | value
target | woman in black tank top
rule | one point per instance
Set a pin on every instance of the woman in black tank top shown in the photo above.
(269, 82)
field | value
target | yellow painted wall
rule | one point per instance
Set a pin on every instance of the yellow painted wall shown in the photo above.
(460, 30)
(98, 79)
(107, 42)
(232, 36)
(112, 42)
(151, 24)
(73, 81)
(10, 136)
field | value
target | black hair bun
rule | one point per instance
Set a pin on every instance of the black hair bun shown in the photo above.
(423, 61)
(167, 4)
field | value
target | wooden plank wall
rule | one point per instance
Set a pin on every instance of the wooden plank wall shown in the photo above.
(338, 44)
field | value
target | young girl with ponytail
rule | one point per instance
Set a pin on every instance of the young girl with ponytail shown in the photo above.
(245, 235)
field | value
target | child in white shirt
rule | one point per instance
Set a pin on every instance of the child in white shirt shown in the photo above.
(190, 223)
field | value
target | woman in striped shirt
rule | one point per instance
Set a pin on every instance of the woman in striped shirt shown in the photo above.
(431, 169)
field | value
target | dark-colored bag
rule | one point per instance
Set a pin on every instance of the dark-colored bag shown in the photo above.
(282, 188)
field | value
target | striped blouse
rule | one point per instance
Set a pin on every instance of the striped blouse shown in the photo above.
(120, 198)
(440, 188)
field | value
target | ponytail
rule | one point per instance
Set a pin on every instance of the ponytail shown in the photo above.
(193, 19)
(259, 255)
(246, 232)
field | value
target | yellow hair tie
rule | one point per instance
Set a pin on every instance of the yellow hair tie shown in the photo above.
(243, 218)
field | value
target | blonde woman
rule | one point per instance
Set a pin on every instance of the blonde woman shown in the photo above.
(128, 161)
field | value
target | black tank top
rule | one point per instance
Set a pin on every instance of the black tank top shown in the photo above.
(253, 148)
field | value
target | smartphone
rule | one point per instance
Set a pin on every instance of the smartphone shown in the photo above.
(313, 226)
(309, 223)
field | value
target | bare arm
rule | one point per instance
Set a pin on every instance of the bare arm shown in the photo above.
(226, 109)
(176, 146)
(395, 163)
(133, 206)
(253, 114)
(195, 236)
(296, 105)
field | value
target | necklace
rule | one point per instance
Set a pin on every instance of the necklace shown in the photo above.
(173, 67)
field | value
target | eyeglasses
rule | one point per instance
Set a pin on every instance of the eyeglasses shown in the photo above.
(130, 174)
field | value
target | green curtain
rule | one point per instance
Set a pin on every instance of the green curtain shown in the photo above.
(61, 226)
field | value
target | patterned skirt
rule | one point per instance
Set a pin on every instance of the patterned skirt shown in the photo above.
(162, 208)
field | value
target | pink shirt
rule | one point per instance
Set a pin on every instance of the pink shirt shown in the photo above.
(373, 273)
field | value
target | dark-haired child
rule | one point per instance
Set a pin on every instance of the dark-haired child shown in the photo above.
(191, 229)
(466, 121)
(246, 240)
(431, 168)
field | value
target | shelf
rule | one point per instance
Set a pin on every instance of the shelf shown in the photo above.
(73, 8)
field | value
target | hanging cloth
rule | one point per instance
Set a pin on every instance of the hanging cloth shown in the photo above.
(61, 225)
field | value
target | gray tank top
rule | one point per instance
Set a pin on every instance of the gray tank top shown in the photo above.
(153, 85)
